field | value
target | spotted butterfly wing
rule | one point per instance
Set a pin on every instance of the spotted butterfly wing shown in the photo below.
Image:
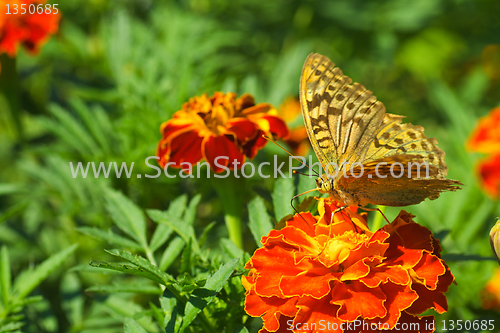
(346, 123)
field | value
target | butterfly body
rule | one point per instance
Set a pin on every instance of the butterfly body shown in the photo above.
(368, 155)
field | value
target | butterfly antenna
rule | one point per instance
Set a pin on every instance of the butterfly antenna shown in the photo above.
(298, 159)
(298, 195)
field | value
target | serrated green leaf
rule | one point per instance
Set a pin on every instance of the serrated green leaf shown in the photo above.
(200, 298)
(259, 221)
(11, 327)
(190, 213)
(158, 315)
(31, 278)
(143, 263)
(282, 194)
(5, 276)
(110, 237)
(169, 306)
(127, 216)
(77, 133)
(171, 253)
(182, 229)
(160, 236)
(186, 259)
(204, 235)
(131, 326)
(231, 249)
(27, 301)
(126, 268)
(163, 231)
(127, 288)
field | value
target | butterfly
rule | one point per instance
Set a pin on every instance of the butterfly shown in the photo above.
(369, 156)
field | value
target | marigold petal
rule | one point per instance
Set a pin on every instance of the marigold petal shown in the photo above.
(304, 221)
(272, 264)
(312, 310)
(486, 137)
(314, 280)
(399, 298)
(429, 269)
(489, 171)
(225, 150)
(384, 273)
(356, 299)
(432, 299)
(270, 308)
(244, 129)
(185, 148)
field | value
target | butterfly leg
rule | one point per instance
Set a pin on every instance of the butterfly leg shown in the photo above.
(375, 210)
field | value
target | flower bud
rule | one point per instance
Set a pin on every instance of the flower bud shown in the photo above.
(495, 239)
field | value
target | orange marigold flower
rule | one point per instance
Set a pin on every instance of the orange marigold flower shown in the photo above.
(22, 27)
(218, 126)
(298, 140)
(486, 136)
(331, 270)
(489, 170)
(490, 295)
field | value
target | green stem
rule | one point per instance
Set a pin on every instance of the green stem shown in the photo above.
(230, 191)
(378, 220)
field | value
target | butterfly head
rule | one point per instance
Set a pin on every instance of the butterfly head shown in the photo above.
(324, 184)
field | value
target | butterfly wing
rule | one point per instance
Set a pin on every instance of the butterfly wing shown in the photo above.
(345, 122)
(340, 118)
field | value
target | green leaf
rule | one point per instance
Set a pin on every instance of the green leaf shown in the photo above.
(143, 263)
(231, 249)
(6, 188)
(5, 276)
(110, 237)
(30, 279)
(131, 326)
(127, 288)
(11, 327)
(171, 253)
(282, 194)
(190, 214)
(160, 236)
(169, 306)
(200, 298)
(13, 211)
(241, 329)
(72, 132)
(127, 216)
(163, 231)
(260, 222)
(182, 229)
(204, 235)
(186, 259)
(126, 268)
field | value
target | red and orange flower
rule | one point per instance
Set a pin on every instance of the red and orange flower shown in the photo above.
(31, 30)
(320, 273)
(490, 296)
(218, 126)
(486, 139)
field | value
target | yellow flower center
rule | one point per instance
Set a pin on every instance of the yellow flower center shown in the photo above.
(339, 247)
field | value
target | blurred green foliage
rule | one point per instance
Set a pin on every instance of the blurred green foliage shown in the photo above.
(116, 70)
